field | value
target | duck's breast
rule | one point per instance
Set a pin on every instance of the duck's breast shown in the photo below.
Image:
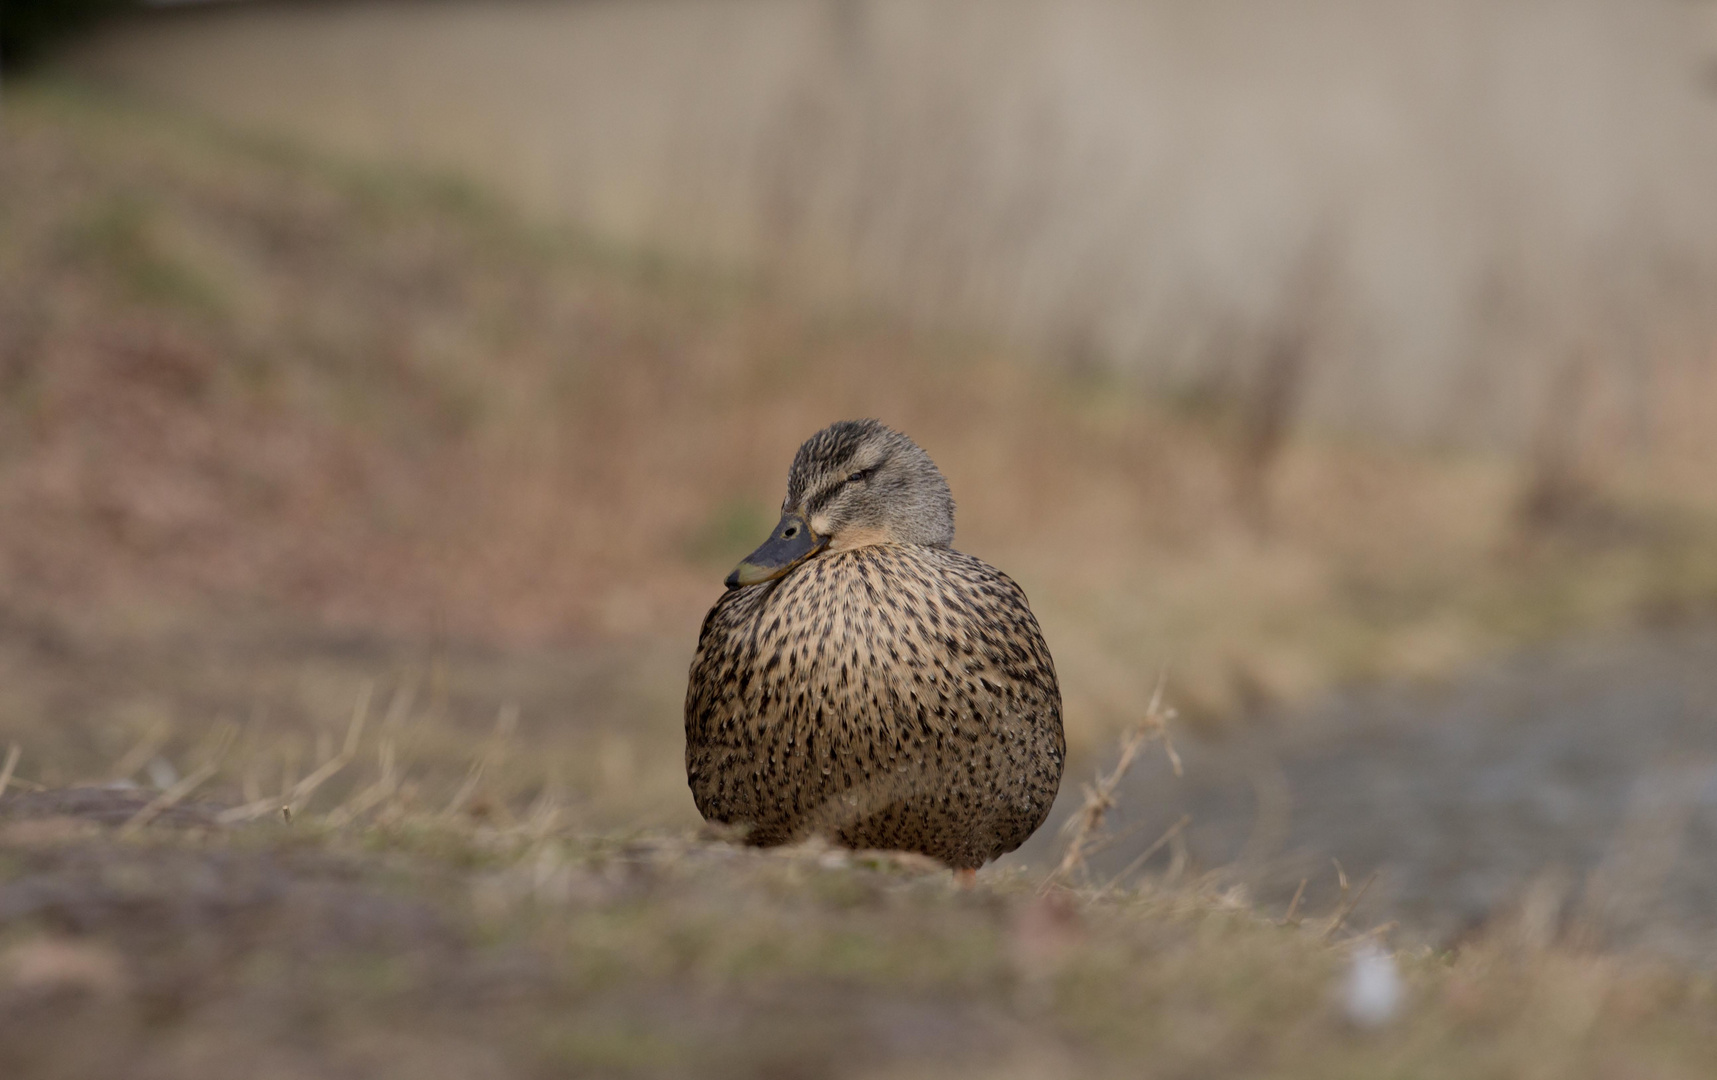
(911, 682)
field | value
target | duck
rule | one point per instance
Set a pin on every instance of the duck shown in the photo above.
(862, 682)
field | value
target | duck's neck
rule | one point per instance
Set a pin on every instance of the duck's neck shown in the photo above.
(853, 539)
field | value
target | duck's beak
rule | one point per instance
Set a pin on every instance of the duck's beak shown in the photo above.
(790, 544)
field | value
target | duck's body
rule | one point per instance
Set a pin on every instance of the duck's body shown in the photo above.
(880, 694)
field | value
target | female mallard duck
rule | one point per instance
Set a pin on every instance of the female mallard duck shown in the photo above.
(863, 681)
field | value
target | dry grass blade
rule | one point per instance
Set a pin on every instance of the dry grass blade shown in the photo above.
(1099, 800)
(1144, 856)
(248, 812)
(135, 758)
(1161, 718)
(165, 801)
(544, 815)
(1294, 904)
(1346, 908)
(306, 787)
(466, 790)
(373, 795)
(401, 703)
(1085, 828)
(494, 753)
(1109, 840)
(13, 753)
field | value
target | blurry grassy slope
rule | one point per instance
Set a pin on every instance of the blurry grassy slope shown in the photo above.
(1446, 204)
(428, 948)
(241, 382)
(242, 376)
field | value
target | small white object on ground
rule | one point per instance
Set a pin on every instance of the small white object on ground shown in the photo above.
(1373, 994)
(161, 773)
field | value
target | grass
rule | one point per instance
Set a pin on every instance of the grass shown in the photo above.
(420, 944)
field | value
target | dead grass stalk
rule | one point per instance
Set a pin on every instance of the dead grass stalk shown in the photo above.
(1085, 829)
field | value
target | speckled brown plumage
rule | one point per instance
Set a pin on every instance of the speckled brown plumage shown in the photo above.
(890, 695)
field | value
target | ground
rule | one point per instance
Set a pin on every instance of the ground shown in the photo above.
(434, 947)
(355, 538)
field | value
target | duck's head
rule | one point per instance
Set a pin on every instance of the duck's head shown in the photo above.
(853, 484)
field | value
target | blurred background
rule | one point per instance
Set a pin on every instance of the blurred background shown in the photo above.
(1348, 367)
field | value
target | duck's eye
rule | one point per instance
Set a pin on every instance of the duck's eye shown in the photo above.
(790, 531)
(862, 474)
